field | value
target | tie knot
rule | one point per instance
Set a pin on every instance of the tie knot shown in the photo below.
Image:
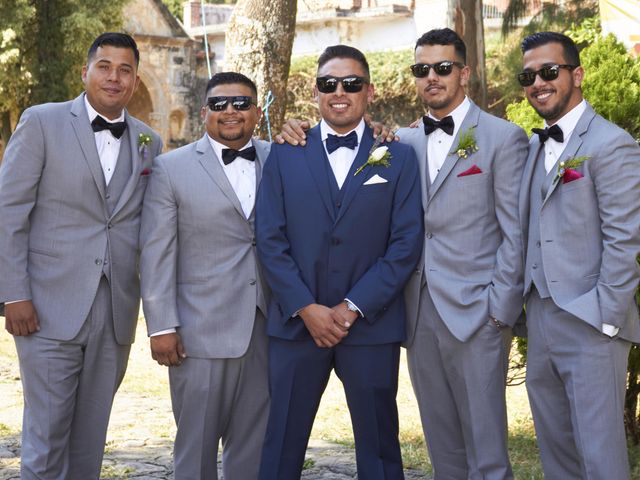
(554, 131)
(334, 142)
(229, 154)
(116, 128)
(431, 124)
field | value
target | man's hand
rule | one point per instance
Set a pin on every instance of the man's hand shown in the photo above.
(348, 317)
(167, 349)
(380, 129)
(293, 132)
(325, 325)
(21, 318)
(415, 123)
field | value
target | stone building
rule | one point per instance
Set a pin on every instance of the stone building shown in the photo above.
(172, 73)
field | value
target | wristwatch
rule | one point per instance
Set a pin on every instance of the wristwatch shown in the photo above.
(351, 307)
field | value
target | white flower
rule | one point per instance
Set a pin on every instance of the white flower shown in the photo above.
(379, 152)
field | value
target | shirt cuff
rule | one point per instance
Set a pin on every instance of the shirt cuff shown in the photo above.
(356, 307)
(163, 332)
(610, 330)
(16, 301)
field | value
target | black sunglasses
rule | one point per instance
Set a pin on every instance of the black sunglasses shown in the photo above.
(442, 69)
(350, 84)
(547, 73)
(238, 102)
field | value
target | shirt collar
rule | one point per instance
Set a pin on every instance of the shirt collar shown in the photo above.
(92, 113)
(218, 147)
(458, 113)
(570, 120)
(325, 130)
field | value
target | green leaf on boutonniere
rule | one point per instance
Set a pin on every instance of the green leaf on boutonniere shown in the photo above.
(467, 144)
(144, 139)
(568, 165)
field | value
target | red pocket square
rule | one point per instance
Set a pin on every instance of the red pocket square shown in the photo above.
(145, 172)
(474, 170)
(570, 175)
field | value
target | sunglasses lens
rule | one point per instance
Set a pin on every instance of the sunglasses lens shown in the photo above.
(217, 104)
(443, 68)
(420, 70)
(526, 79)
(241, 103)
(352, 85)
(326, 84)
(549, 73)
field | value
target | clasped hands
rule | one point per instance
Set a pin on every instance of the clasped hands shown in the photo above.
(328, 326)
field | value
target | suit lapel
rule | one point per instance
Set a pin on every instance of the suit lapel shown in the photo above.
(420, 147)
(575, 142)
(535, 148)
(354, 183)
(261, 157)
(86, 138)
(470, 121)
(211, 164)
(314, 155)
(136, 162)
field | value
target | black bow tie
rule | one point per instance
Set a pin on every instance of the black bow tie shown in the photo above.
(553, 131)
(229, 154)
(430, 125)
(334, 142)
(116, 128)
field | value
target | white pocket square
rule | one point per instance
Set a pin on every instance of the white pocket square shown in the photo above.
(375, 180)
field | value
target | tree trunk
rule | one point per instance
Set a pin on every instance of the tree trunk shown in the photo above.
(5, 131)
(258, 44)
(465, 17)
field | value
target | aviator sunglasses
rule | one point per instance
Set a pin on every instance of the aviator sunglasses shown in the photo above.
(350, 84)
(442, 69)
(238, 102)
(547, 73)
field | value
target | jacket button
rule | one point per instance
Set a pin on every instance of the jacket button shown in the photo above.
(252, 282)
(534, 266)
(253, 242)
(429, 235)
(98, 261)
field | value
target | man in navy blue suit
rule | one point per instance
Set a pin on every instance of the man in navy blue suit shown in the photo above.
(338, 243)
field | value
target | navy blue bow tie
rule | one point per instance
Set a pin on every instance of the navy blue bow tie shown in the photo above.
(334, 142)
(554, 131)
(116, 128)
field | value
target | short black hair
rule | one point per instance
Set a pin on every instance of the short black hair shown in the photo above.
(569, 47)
(444, 36)
(226, 78)
(114, 39)
(344, 51)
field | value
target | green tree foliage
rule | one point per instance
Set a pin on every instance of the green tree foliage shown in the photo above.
(175, 6)
(43, 45)
(395, 101)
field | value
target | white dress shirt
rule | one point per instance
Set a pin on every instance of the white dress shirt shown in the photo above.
(440, 143)
(342, 158)
(241, 174)
(108, 146)
(552, 148)
(552, 151)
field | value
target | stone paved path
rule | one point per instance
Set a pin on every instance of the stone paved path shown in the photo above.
(141, 430)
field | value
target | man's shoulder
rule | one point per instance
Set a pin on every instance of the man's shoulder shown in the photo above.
(497, 125)
(49, 110)
(144, 128)
(179, 155)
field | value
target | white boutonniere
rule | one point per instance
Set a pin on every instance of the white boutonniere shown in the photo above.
(467, 144)
(377, 156)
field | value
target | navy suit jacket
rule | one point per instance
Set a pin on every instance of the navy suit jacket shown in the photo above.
(315, 252)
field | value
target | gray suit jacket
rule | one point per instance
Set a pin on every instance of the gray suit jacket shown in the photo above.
(591, 226)
(56, 227)
(199, 269)
(472, 258)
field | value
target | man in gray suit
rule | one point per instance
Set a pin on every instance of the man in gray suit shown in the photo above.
(203, 293)
(580, 212)
(71, 188)
(466, 293)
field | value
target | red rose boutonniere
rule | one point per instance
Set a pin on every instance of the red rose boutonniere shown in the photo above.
(567, 169)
